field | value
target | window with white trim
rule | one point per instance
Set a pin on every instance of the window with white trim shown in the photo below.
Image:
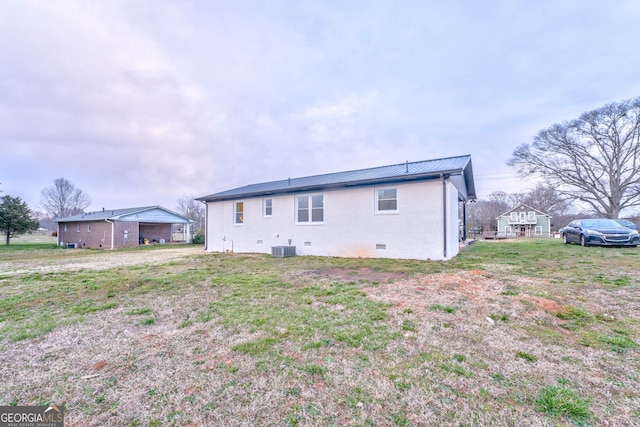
(238, 213)
(532, 216)
(310, 208)
(507, 230)
(89, 227)
(538, 230)
(387, 200)
(78, 227)
(267, 207)
(523, 216)
(514, 216)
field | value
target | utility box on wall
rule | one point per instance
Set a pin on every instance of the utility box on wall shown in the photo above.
(283, 251)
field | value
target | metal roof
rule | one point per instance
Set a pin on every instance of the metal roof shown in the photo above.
(114, 214)
(408, 171)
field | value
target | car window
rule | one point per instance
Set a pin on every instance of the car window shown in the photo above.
(601, 223)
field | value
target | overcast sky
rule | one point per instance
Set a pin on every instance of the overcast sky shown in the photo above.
(142, 102)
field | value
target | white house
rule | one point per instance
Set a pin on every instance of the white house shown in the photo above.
(408, 210)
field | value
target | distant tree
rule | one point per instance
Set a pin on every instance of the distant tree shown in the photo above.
(15, 218)
(482, 214)
(192, 209)
(550, 201)
(44, 218)
(63, 199)
(500, 203)
(593, 159)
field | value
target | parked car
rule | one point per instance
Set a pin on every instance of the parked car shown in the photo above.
(626, 223)
(602, 232)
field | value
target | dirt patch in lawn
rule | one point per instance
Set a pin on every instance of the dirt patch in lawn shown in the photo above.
(421, 292)
(357, 274)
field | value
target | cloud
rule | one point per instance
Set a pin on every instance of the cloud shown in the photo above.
(107, 104)
(141, 102)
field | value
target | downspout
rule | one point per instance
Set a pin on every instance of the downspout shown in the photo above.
(206, 221)
(464, 221)
(444, 214)
(112, 232)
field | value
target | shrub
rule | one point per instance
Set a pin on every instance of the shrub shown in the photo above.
(198, 239)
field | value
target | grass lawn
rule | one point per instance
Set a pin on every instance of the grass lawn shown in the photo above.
(526, 332)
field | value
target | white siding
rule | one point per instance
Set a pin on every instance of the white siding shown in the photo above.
(351, 226)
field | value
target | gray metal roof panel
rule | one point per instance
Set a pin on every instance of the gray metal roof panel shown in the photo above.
(403, 171)
(112, 214)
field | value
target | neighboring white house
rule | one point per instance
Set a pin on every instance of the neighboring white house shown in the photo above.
(408, 210)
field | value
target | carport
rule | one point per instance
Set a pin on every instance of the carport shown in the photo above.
(124, 228)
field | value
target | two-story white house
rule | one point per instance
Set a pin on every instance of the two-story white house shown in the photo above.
(407, 210)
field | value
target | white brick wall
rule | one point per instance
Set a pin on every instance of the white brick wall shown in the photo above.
(351, 226)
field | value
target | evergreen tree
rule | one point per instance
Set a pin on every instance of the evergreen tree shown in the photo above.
(15, 217)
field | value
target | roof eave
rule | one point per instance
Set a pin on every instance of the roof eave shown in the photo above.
(334, 186)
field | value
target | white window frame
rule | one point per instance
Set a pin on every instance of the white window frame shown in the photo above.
(523, 217)
(538, 230)
(531, 215)
(310, 209)
(65, 227)
(377, 201)
(507, 230)
(267, 207)
(89, 227)
(514, 216)
(78, 227)
(236, 212)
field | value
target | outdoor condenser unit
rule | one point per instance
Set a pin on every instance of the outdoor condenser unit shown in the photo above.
(283, 251)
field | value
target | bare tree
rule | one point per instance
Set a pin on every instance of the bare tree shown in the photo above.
(550, 201)
(593, 159)
(63, 199)
(192, 209)
(501, 202)
(482, 214)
